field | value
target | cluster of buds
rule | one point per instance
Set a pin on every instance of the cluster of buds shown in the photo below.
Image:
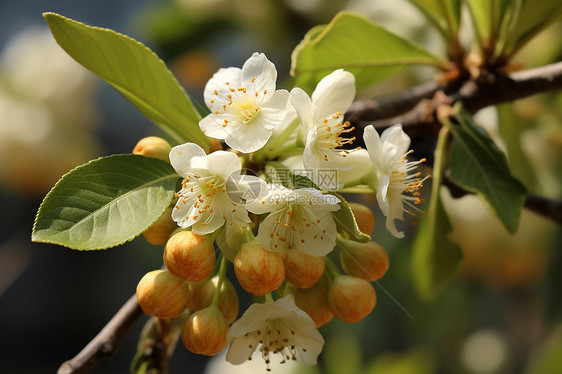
(277, 237)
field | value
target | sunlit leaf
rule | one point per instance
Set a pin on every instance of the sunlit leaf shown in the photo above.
(105, 202)
(353, 43)
(479, 166)
(133, 70)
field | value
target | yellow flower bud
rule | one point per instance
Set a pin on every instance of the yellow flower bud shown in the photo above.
(202, 295)
(153, 146)
(364, 260)
(161, 294)
(364, 217)
(204, 332)
(189, 256)
(160, 230)
(301, 269)
(258, 270)
(351, 299)
(314, 301)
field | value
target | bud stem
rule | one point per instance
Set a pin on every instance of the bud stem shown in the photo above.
(269, 298)
(332, 269)
(222, 274)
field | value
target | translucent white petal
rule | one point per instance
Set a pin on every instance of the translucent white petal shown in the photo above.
(382, 192)
(274, 200)
(218, 82)
(240, 350)
(219, 163)
(353, 166)
(303, 106)
(335, 92)
(374, 146)
(254, 318)
(396, 136)
(211, 125)
(181, 155)
(275, 109)
(250, 137)
(320, 237)
(266, 228)
(264, 72)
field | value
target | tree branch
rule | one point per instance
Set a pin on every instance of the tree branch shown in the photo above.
(106, 342)
(551, 209)
(490, 89)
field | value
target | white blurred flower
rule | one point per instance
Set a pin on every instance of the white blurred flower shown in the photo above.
(278, 327)
(299, 218)
(213, 191)
(322, 120)
(245, 107)
(395, 187)
(46, 101)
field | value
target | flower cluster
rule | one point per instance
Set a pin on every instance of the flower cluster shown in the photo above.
(277, 233)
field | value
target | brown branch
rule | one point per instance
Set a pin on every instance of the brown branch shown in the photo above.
(106, 343)
(490, 89)
(551, 209)
(392, 105)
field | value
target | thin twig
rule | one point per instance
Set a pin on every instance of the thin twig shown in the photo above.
(106, 342)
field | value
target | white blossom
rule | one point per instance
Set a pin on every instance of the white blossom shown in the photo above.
(323, 127)
(278, 327)
(299, 218)
(397, 190)
(245, 107)
(213, 190)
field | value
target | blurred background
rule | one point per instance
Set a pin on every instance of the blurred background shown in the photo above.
(501, 314)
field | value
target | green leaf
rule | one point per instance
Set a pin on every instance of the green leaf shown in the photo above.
(435, 258)
(488, 17)
(133, 70)
(105, 202)
(345, 221)
(353, 43)
(533, 16)
(479, 166)
(444, 14)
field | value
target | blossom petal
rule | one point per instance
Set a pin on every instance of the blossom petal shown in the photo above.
(218, 163)
(211, 125)
(374, 145)
(275, 109)
(356, 164)
(249, 137)
(264, 72)
(181, 155)
(218, 82)
(240, 350)
(320, 237)
(335, 92)
(396, 136)
(382, 194)
(303, 106)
